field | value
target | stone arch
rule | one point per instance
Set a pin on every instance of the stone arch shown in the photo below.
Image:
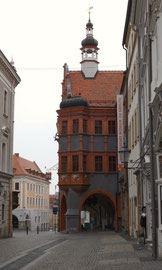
(63, 209)
(98, 191)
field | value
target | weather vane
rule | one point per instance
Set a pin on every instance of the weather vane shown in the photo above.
(89, 11)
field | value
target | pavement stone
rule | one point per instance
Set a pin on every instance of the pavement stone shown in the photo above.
(78, 251)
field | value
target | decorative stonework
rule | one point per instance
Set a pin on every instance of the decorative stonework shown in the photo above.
(5, 131)
(75, 177)
(63, 177)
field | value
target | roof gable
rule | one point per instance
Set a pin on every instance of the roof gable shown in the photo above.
(23, 166)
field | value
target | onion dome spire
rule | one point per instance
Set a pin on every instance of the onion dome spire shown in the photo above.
(89, 63)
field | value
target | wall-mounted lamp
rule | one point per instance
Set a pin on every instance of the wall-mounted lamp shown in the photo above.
(124, 154)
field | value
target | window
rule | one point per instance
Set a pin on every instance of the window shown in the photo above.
(27, 201)
(30, 201)
(75, 163)
(64, 127)
(36, 219)
(16, 186)
(30, 187)
(84, 126)
(112, 127)
(89, 54)
(98, 163)
(112, 163)
(98, 126)
(33, 187)
(3, 212)
(64, 164)
(132, 131)
(5, 103)
(84, 162)
(75, 126)
(27, 186)
(33, 201)
(4, 156)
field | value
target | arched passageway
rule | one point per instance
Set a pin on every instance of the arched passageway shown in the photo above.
(15, 222)
(97, 211)
(63, 209)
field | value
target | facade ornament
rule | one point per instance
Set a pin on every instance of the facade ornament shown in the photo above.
(75, 177)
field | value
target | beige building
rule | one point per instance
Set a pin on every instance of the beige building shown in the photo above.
(32, 187)
(9, 79)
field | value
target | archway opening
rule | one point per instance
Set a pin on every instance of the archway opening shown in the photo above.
(63, 209)
(15, 222)
(98, 212)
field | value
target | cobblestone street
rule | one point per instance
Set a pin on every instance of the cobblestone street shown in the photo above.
(80, 251)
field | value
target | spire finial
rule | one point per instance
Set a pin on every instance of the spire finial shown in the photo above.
(89, 11)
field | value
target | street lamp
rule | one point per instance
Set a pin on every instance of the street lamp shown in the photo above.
(1, 188)
(124, 154)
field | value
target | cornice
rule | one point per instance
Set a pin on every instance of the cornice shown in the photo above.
(8, 69)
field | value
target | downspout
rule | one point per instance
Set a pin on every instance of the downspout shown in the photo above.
(140, 116)
(126, 170)
(152, 161)
(136, 29)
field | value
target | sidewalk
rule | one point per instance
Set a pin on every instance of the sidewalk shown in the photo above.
(21, 242)
(78, 251)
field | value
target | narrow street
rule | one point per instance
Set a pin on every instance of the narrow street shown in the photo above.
(80, 251)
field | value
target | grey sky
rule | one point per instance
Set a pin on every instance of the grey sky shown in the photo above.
(46, 34)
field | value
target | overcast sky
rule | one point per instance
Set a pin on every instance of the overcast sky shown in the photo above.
(42, 35)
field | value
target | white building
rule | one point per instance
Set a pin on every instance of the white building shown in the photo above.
(8, 82)
(131, 45)
(146, 20)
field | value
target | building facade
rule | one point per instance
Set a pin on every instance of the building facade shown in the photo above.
(130, 43)
(32, 187)
(9, 79)
(87, 137)
(146, 21)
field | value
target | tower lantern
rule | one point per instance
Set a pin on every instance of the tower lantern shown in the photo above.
(89, 63)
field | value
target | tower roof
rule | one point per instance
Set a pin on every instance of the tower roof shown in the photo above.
(76, 101)
(89, 24)
(89, 40)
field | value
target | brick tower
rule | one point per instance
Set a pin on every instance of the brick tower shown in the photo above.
(87, 137)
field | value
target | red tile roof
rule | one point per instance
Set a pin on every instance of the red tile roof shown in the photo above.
(100, 91)
(23, 166)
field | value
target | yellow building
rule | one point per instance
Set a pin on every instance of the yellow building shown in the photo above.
(32, 187)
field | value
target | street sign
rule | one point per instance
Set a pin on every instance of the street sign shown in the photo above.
(55, 210)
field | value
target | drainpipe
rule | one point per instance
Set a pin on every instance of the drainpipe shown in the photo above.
(140, 116)
(152, 161)
(126, 169)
